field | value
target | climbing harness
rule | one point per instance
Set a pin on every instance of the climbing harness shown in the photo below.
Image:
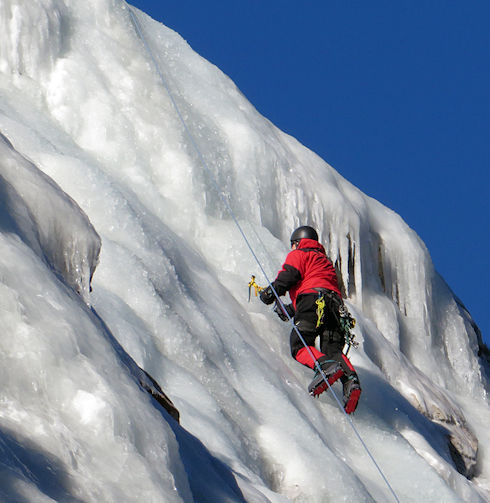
(345, 320)
(220, 192)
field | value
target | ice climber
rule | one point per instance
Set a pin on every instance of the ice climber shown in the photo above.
(316, 301)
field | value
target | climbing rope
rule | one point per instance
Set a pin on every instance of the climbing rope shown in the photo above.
(204, 164)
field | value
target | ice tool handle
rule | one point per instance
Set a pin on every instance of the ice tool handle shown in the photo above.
(253, 284)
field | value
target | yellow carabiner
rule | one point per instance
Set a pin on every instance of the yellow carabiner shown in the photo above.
(320, 310)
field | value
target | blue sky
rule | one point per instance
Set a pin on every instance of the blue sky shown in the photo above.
(393, 94)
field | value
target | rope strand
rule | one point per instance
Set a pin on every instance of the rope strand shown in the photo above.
(249, 246)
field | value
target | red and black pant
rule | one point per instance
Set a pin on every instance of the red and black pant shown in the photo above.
(331, 336)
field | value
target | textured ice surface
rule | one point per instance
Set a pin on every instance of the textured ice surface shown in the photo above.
(95, 148)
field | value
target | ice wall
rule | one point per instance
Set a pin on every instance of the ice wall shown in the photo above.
(32, 37)
(88, 109)
(48, 220)
(69, 410)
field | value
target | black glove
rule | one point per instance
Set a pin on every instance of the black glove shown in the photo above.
(279, 310)
(267, 295)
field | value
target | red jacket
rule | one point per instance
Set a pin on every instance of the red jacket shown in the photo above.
(306, 268)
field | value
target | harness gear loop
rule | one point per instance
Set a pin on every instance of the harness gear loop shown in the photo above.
(253, 284)
(320, 310)
(347, 322)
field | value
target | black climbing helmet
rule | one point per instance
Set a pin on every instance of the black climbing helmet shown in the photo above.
(304, 232)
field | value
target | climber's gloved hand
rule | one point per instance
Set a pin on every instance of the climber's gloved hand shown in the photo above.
(267, 295)
(279, 310)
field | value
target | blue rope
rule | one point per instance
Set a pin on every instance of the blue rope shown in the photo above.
(232, 214)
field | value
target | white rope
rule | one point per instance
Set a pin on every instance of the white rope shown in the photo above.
(232, 214)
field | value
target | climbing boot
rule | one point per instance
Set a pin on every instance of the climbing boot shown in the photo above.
(352, 392)
(332, 371)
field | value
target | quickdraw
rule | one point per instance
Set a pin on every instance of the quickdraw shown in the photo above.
(253, 284)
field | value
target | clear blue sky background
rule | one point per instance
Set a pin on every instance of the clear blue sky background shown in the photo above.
(394, 94)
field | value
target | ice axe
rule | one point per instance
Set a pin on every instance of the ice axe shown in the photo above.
(253, 284)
